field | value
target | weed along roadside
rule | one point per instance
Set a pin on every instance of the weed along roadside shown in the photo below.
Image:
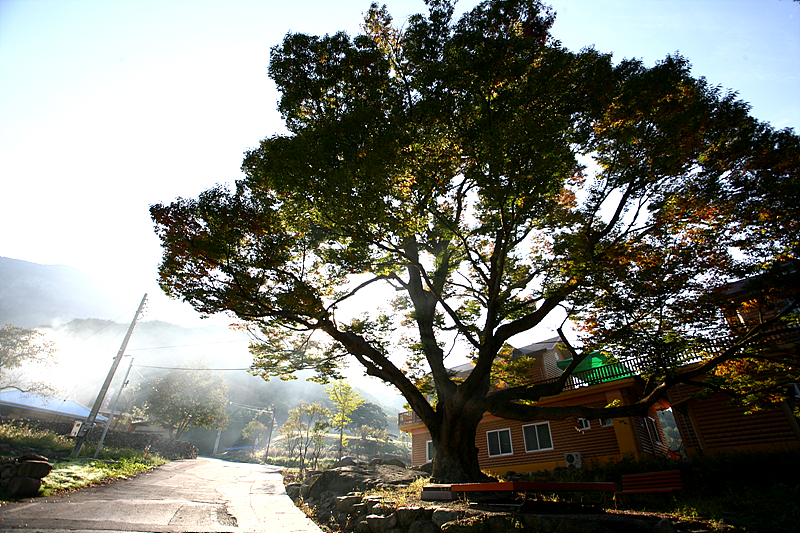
(733, 493)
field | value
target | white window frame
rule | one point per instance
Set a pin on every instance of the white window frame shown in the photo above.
(428, 451)
(606, 422)
(652, 429)
(540, 449)
(583, 424)
(499, 443)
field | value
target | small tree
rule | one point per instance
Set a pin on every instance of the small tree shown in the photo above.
(291, 432)
(313, 424)
(345, 400)
(318, 433)
(20, 348)
(302, 430)
(254, 430)
(189, 397)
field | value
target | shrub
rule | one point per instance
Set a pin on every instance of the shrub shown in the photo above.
(32, 437)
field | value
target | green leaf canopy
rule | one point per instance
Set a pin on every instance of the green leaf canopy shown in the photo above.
(490, 177)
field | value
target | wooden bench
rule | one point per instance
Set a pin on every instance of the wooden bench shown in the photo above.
(534, 487)
(650, 483)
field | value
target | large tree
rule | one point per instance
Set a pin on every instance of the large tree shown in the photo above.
(23, 354)
(190, 396)
(492, 180)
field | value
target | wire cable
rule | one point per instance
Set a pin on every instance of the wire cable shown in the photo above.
(185, 368)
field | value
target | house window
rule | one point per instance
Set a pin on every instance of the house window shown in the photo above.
(605, 422)
(652, 429)
(583, 424)
(429, 451)
(499, 442)
(537, 437)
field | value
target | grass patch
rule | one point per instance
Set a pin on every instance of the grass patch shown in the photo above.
(77, 473)
(401, 496)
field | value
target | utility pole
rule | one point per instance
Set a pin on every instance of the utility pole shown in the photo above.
(216, 442)
(113, 409)
(85, 428)
(271, 426)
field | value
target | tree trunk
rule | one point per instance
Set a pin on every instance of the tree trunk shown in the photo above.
(455, 457)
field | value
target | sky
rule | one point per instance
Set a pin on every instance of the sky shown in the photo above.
(108, 107)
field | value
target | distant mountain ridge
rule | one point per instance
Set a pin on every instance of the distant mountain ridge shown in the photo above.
(34, 295)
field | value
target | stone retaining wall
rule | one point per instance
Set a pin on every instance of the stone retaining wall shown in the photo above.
(169, 449)
(357, 513)
(21, 477)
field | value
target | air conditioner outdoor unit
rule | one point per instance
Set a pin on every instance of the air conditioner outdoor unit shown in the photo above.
(574, 459)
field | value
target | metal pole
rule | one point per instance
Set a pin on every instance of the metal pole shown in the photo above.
(84, 431)
(216, 442)
(271, 426)
(113, 409)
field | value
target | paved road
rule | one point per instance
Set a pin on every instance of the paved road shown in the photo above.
(200, 495)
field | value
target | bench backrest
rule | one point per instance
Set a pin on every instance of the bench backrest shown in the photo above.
(652, 480)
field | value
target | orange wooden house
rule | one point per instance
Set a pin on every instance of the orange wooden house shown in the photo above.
(508, 445)
(706, 425)
(711, 425)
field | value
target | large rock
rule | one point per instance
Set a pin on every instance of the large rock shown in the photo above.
(427, 468)
(359, 509)
(363, 527)
(665, 526)
(293, 490)
(345, 461)
(543, 524)
(32, 457)
(408, 515)
(9, 470)
(346, 479)
(444, 515)
(467, 526)
(381, 524)
(423, 526)
(24, 487)
(394, 461)
(35, 469)
(345, 503)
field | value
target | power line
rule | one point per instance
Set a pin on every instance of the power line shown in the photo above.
(252, 407)
(181, 346)
(185, 368)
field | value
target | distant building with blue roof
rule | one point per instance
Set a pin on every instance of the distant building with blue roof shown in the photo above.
(15, 403)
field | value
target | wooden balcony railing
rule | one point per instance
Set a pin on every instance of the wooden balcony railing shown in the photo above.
(408, 418)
